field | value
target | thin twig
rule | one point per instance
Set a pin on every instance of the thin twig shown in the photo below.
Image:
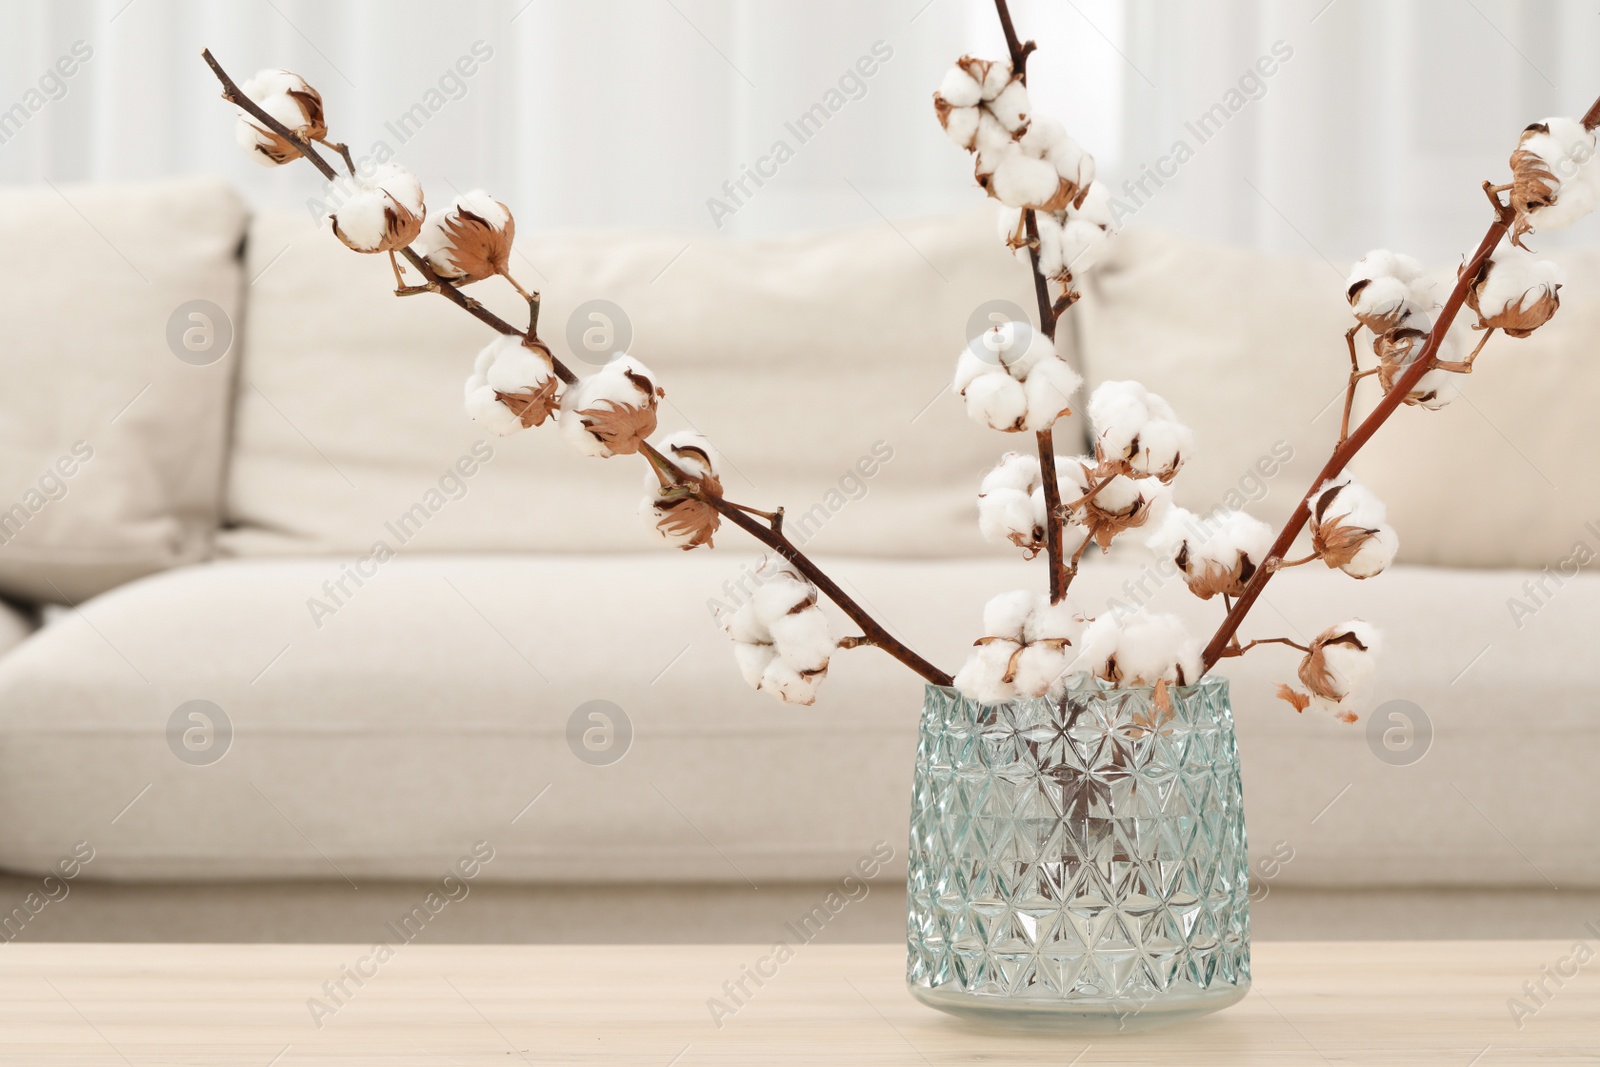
(772, 537)
(1239, 650)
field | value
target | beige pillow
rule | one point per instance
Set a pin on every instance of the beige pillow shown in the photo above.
(1250, 349)
(111, 445)
(818, 365)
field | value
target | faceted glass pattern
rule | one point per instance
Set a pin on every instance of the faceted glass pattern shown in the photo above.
(1079, 863)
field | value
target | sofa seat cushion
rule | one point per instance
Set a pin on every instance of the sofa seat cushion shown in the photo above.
(118, 361)
(430, 708)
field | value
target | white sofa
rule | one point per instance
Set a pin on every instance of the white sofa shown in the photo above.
(221, 544)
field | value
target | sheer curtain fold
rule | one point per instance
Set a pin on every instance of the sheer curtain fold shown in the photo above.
(1375, 124)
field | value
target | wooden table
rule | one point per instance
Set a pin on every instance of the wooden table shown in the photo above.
(1314, 1003)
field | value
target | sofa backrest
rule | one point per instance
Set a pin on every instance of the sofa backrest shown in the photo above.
(1250, 349)
(819, 365)
(117, 359)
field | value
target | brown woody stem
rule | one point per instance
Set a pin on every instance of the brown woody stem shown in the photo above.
(773, 538)
(1059, 576)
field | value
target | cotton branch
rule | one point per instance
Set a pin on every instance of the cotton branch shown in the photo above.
(1060, 576)
(1347, 448)
(740, 515)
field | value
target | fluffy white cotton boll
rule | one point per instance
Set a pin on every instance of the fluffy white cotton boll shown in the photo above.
(1016, 470)
(1097, 208)
(803, 639)
(1023, 181)
(1047, 139)
(1156, 647)
(1383, 263)
(506, 365)
(789, 685)
(1096, 647)
(983, 677)
(969, 367)
(1375, 555)
(1049, 390)
(961, 126)
(745, 626)
(1052, 250)
(1166, 537)
(1385, 300)
(622, 384)
(1349, 668)
(1011, 107)
(1516, 279)
(1007, 614)
(993, 77)
(485, 409)
(1019, 348)
(1348, 502)
(960, 89)
(1038, 667)
(753, 661)
(401, 184)
(1052, 622)
(997, 401)
(1118, 411)
(1236, 533)
(1567, 151)
(1080, 246)
(1163, 448)
(379, 213)
(992, 141)
(775, 598)
(1006, 517)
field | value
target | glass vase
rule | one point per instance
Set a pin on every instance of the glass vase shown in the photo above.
(1078, 864)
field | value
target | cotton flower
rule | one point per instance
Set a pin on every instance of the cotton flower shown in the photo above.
(1339, 663)
(612, 411)
(1136, 432)
(1517, 292)
(382, 213)
(1071, 241)
(1217, 554)
(287, 98)
(673, 514)
(1006, 513)
(1386, 289)
(470, 241)
(1012, 379)
(781, 638)
(1349, 530)
(1138, 648)
(1022, 160)
(1106, 504)
(1024, 652)
(966, 102)
(513, 385)
(1555, 180)
(1400, 347)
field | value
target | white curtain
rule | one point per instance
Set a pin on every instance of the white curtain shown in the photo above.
(1376, 128)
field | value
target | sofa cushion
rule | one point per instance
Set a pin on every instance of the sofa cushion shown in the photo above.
(815, 363)
(111, 444)
(1250, 348)
(432, 707)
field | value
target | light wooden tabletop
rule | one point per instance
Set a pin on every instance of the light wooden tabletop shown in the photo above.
(1393, 1004)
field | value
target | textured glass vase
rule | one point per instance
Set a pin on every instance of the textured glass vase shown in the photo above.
(1078, 864)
